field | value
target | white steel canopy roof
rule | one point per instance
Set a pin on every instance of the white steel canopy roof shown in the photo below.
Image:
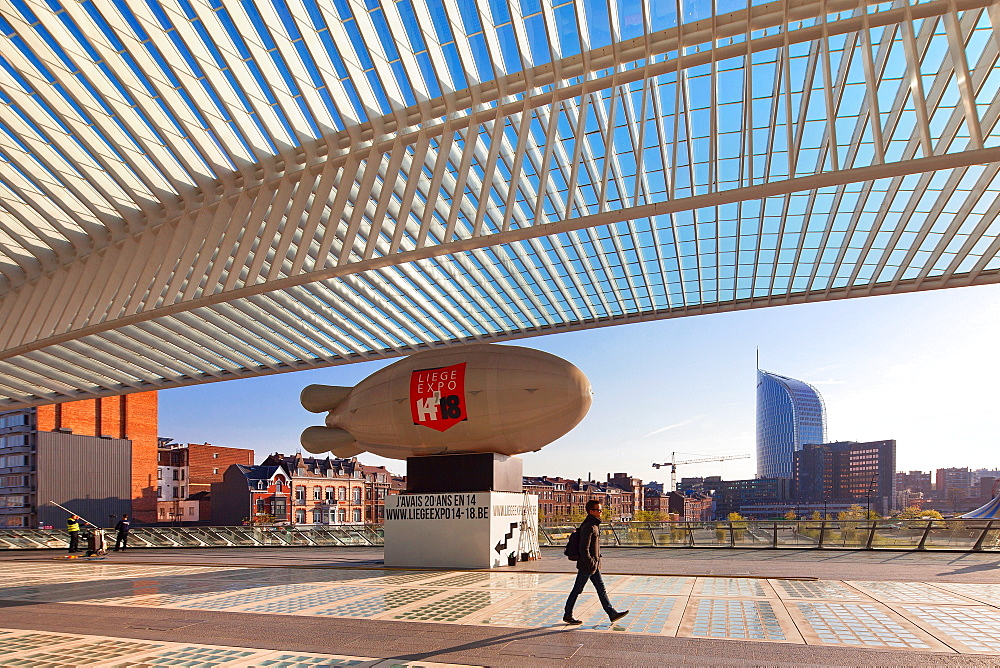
(196, 190)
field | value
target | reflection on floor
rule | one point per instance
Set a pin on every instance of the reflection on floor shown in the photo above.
(942, 617)
(63, 650)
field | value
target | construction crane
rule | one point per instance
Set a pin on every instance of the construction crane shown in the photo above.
(673, 463)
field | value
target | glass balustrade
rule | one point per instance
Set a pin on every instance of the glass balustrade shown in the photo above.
(967, 535)
(963, 535)
(241, 536)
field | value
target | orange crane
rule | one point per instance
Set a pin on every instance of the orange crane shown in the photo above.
(673, 463)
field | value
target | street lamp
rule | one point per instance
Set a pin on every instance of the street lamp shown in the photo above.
(871, 486)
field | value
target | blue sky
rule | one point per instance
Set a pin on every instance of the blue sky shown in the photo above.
(920, 368)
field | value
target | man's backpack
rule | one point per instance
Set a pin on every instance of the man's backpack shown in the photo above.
(572, 550)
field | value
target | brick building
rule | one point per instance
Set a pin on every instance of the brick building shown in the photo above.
(324, 491)
(690, 506)
(561, 500)
(657, 501)
(378, 485)
(207, 463)
(952, 485)
(914, 481)
(251, 494)
(129, 417)
(913, 488)
(185, 474)
(632, 500)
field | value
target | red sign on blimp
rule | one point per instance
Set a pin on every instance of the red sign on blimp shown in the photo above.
(437, 396)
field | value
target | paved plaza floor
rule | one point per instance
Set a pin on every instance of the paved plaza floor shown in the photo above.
(339, 606)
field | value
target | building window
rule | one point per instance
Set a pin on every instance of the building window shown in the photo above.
(342, 493)
(215, 471)
(342, 514)
(356, 496)
(300, 493)
(329, 493)
(357, 515)
(182, 492)
(159, 492)
(176, 473)
(300, 516)
(317, 516)
(191, 510)
(182, 474)
(175, 492)
(215, 455)
(159, 474)
(317, 493)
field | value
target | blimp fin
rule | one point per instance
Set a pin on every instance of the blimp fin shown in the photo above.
(328, 439)
(347, 451)
(322, 398)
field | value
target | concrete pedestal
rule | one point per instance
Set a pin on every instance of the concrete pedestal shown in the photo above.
(459, 529)
(473, 472)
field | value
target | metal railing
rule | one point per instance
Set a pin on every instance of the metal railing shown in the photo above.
(241, 536)
(963, 535)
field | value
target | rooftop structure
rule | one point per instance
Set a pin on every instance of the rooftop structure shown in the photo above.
(196, 192)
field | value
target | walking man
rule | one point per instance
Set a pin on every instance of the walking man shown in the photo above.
(121, 540)
(588, 565)
(73, 529)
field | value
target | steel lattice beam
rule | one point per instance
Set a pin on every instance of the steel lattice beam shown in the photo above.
(262, 206)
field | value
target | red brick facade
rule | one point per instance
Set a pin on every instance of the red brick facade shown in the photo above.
(563, 501)
(207, 462)
(378, 483)
(324, 491)
(131, 416)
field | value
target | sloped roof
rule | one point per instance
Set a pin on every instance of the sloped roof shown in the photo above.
(989, 511)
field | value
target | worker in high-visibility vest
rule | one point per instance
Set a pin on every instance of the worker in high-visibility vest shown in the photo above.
(73, 529)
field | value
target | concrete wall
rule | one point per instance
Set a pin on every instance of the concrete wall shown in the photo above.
(230, 499)
(129, 416)
(91, 476)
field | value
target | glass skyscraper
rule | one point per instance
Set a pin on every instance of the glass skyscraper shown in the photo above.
(790, 413)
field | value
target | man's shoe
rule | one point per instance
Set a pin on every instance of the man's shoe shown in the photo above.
(571, 621)
(615, 616)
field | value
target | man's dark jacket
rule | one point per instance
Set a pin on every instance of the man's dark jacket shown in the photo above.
(122, 527)
(590, 545)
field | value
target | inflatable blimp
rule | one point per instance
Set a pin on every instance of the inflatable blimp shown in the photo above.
(475, 398)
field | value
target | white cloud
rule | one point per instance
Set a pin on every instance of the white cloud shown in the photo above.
(675, 425)
(829, 381)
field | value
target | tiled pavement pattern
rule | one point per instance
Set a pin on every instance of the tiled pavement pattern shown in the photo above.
(735, 618)
(65, 650)
(939, 617)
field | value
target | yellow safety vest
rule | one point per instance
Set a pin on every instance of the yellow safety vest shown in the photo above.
(72, 525)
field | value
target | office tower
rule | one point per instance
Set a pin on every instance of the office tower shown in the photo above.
(790, 413)
(846, 472)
